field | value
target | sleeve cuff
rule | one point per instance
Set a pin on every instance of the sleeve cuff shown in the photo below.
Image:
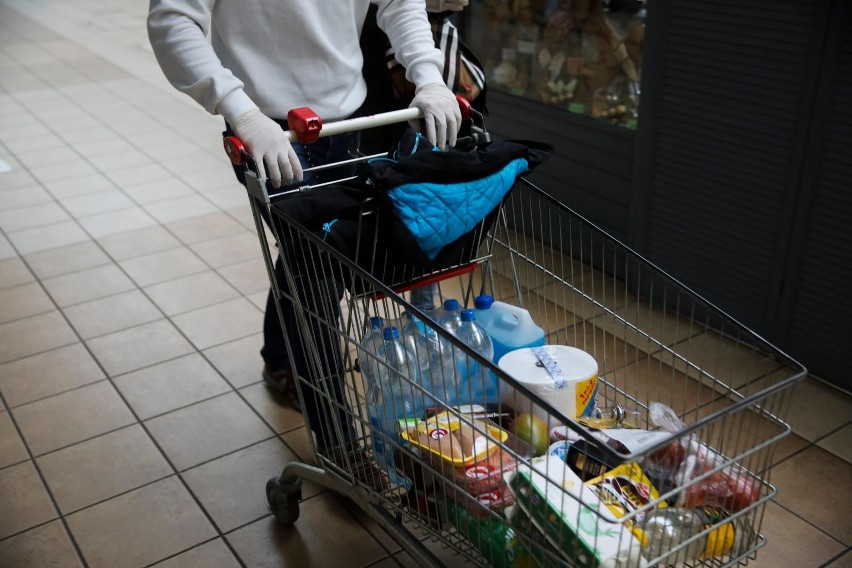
(425, 73)
(236, 104)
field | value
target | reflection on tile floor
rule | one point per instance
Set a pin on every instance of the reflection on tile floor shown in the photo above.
(134, 428)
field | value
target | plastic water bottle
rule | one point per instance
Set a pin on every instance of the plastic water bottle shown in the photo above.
(451, 320)
(392, 395)
(509, 327)
(477, 384)
(440, 375)
(670, 527)
(368, 348)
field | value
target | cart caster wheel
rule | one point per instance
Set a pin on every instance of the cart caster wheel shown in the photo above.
(283, 500)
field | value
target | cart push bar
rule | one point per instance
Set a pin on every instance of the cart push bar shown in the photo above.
(306, 127)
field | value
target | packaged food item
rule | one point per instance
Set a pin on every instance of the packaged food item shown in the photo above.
(457, 441)
(732, 487)
(625, 489)
(571, 516)
(484, 474)
(496, 500)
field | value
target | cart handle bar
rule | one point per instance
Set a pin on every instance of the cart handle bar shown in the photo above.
(306, 126)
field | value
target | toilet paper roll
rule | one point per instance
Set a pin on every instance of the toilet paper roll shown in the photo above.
(563, 376)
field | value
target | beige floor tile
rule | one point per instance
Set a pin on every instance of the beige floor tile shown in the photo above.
(64, 260)
(123, 161)
(834, 409)
(170, 385)
(23, 499)
(191, 292)
(791, 541)
(71, 417)
(163, 266)
(152, 192)
(813, 484)
(102, 467)
(299, 440)
(54, 172)
(23, 301)
(259, 299)
(6, 249)
(137, 175)
(179, 208)
(839, 443)
(220, 323)
(207, 430)
(248, 277)
(272, 407)
(141, 242)
(227, 197)
(46, 545)
(131, 349)
(17, 179)
(12, 449)
(239, 361)
(228, 250)
(311, 542)
(72, 187)
(232, 489)
(140, 527)
(39, 239)
(23, 197)
(25, 337)
(213, 554)
(110, 314)
(26, 380)
(89, 284)
(32, 216)
(116, 222)
(205, 228)
(217, 175)
(97, 203)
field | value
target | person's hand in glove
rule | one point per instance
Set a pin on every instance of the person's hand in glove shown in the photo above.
(267, 143)
(446, 5)
(441, 114)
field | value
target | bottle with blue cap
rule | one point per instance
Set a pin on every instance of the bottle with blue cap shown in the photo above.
(393, 395)
(476, 383)
(451, 320)
(510, 327)
(368, 349)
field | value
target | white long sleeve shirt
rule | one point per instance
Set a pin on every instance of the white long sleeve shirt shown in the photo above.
(277, 55)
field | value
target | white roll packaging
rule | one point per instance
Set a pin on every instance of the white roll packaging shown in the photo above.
(563, 376)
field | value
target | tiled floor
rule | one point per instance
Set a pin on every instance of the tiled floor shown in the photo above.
(134, 429)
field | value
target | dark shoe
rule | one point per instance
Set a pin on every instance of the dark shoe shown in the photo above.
(359, 463)
(283, 381)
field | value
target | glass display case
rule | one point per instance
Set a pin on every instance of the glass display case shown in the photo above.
(584, 56)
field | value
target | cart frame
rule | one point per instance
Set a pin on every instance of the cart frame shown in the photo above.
(543, 256)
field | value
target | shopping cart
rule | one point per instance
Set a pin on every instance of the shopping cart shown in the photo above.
(660, 349)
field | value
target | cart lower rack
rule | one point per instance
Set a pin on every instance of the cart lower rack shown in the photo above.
(680, 473)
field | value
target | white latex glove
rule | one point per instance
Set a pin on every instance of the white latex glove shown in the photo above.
(440, 113)
(266, 142)
(444, 5)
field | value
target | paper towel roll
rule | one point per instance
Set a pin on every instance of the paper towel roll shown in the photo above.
(563, 376)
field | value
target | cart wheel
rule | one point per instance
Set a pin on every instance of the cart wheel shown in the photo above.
(283, 500)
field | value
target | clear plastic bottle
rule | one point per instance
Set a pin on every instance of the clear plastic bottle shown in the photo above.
(477, 384)
(670, 527)
(368, 348)
(391, 395)
(451, 320)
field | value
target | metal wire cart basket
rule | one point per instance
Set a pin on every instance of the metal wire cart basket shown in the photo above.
(665, 459)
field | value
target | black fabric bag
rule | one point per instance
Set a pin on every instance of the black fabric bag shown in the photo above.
(379, 241)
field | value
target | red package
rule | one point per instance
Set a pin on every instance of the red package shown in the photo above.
(732, 489)
(486, 474)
